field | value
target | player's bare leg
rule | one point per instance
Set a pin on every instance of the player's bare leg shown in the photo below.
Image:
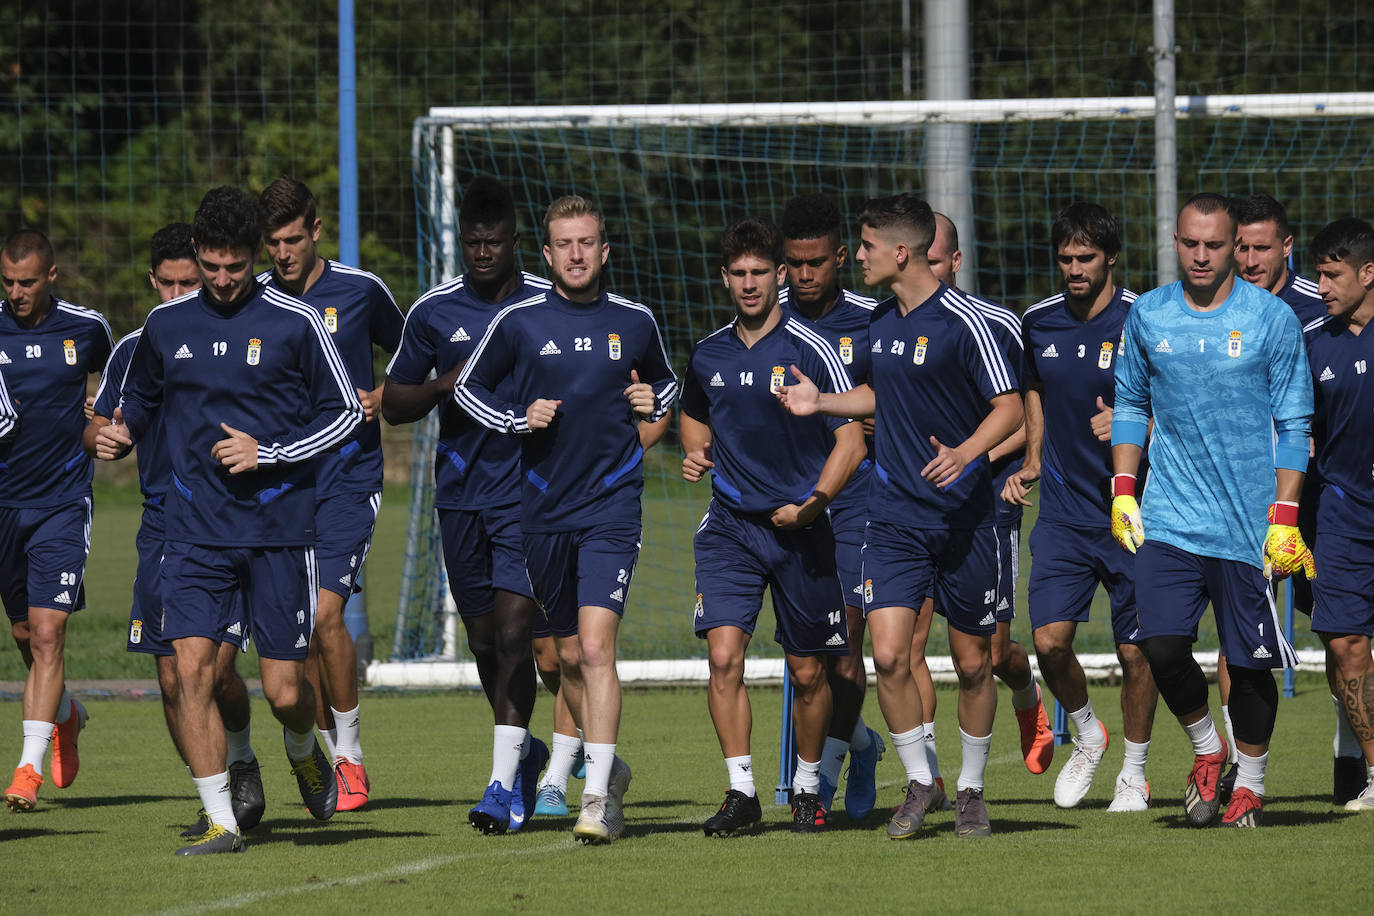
(41, 639)
(598, 714)
(892, 629)
(972, 657)
(332, 645)
(170, 689)
(1355, 677)
(1011, 665)
(1350, 771)
(811, 709)
(726, 696)
(235, 711)
(925, 686)
(293, 704)
(1139, 695)
(1064, 675)
(848, 733)
(565, 753)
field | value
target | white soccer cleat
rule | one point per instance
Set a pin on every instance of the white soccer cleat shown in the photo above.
(1131, 795)
(1077, 776)
(1364, 801)
(591, 827)
(615, 800)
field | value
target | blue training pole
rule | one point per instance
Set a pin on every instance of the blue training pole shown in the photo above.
(787, 746)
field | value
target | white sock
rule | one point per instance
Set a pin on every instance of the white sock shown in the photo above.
(298, 746)
(1203, 735)
(975, 759)
(216, 800)
(832, 759)
(600, 758)
(1230, 732)
(1088, 727)
(239, 747)
(1028, 697)
(860, 740)
(911, 750)
(1133, 767)
(1250, 772)
(64, 707)
(1345, 744)
(506, 742)
(347, 744)
(331, 741)
(37, 736)
(932, 759)
(807, 778)
(741, 770)
(562, 758)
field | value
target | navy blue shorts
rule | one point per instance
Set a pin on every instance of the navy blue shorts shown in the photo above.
(1067, 566)
(278, 587)
(958, 567)
(43, 557)
(848, 524)
(1343, 590)
(483, 551)
(590, 567)
(738, 555)
(1008, 568)
(343, 525)
(1173, 587)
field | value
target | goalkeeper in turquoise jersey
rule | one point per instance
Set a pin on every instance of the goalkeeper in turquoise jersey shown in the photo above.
(1221, 367)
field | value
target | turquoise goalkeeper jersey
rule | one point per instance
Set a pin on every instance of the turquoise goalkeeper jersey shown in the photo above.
(1220, 385)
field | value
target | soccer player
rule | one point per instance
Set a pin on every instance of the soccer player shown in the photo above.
(814, 256)
(477, 495)
(1071, 353)
(359, 313)
(250, 390)
(173, 274)
(772, 477)
(942, 396)
(1339, 354)
(1220, 367)
(48, 347)
(568, 372)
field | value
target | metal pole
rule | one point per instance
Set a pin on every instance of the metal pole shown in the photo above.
(1166, 143)
(949, 147)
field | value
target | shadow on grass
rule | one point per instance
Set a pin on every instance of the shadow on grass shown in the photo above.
(1002, 828)
(24, 833)
(105, 801)
(387, 802)
(313, 834)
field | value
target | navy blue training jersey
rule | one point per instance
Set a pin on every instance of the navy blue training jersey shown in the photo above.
(1006, 327)
(8, 415)
(474, 467)
(935, 370)
(845, 326)
(42, 463)
(1344, 405)
(1302, 297)
(1073, 363)
(154, 466)
(266, 368)
(764, 457)
(358, 311)
(586, 467)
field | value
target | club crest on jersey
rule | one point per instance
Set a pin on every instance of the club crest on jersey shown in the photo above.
(1104, 356)
(918, 355)
(776, 379)
(847, 350)
(331, 319)
(613, 344)
(1233, 345)
(69, 351)
(254, 351)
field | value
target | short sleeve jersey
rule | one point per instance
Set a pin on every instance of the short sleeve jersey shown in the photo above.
(1302, 297)
(474, 467)
(764, 457)
(935, 370)
(154, 465)
(42, 463)
(1344, 403)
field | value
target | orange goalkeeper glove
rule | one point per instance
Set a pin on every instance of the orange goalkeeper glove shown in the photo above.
(1284, 550)
(1126, 525)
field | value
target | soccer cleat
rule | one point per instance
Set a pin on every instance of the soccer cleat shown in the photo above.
(245, 793)
(1365, 800)
(319, 791)
(65, 761)
(1245, 809)
(214, 840)
(201, 825)
(615, 800)
(1076, 778)
(551, 800)
(1347, 779)
(591, 827)
(1201, 800)
(1037, 739)
(971, 814)
(526, 786)
(738, 813)
(22, 795)
(861, 784)
(1131, 795)
(808, 813)
(939, 801)
(1227, 784)
(491, 815)
(353, 784)
(906, 821)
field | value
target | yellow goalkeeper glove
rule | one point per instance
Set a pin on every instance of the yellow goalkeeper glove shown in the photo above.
(1126, 525)
(1284, 550)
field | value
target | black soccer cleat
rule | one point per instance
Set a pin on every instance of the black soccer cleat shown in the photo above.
(215, 839)
(245, 793)
(737, 814)
(1348, 780)
(201, 825)
(319, 788)
(808, 813)
(1227, 785)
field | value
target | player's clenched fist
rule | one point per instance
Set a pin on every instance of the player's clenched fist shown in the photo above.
(1284, 550)
(802, 399)
(696, 463)
(540, 414)
(641, 396)
(1127, 528)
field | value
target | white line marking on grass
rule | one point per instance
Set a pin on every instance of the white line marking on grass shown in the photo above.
(237, 901)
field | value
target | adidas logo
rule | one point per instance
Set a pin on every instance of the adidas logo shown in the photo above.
(345, 580)
(858, 589)
(458, 335)
(1003, 605)
(835, 640)
(300, 641)
(1327, 375)
(236, 629)
(618, 595)
(987, 621)
(4, 358)
(64, 598)
(183, 353)
(877, 346)
(1050, 351)
(1261, 652)
(550, 349)
(717, 381)
(1163, 346)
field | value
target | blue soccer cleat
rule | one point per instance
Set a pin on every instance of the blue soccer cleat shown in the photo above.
(861, 788)
(552, 801)
(526, 786)
(491, 815)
